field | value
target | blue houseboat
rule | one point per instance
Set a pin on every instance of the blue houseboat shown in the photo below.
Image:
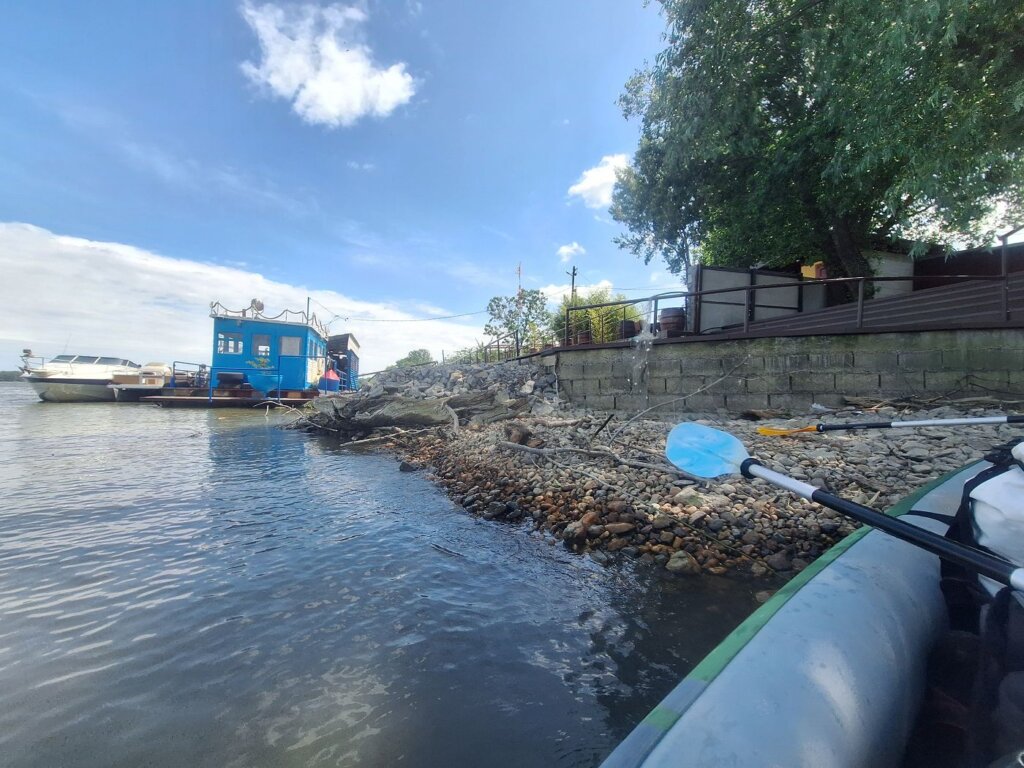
(258, 358)
(283, 353)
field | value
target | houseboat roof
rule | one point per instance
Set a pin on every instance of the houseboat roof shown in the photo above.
(348, 339)
(255, 312)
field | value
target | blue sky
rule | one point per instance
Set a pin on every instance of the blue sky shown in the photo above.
(395, 160)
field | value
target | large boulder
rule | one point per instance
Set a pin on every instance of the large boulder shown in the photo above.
(402, 413)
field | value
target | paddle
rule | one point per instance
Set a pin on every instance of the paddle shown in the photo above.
(1012, 419)
(708, 452)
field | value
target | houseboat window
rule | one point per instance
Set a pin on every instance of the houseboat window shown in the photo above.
(261, 344)
(291, 345)
(229, 343)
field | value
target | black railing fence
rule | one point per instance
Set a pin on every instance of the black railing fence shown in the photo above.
(678, 313)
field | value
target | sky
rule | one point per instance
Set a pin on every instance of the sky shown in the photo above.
(393, 161)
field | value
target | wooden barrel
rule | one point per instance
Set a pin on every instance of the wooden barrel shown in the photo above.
(583, 337)
(672, 321)
(627, 329)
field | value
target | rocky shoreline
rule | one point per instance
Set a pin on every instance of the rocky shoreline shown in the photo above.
(505, 448)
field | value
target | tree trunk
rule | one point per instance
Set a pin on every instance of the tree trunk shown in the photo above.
(846, 255)
(847, 251)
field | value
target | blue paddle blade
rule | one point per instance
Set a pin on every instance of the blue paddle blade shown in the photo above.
(703, 451)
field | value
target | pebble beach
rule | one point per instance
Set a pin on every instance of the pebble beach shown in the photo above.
(598, 483)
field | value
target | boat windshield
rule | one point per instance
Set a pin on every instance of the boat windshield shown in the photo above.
(86, 360)
(117, 361)
(63, 359)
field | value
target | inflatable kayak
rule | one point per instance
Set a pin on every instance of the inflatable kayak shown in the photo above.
(829, 672)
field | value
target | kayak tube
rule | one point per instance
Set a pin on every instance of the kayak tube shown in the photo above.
(830, 671)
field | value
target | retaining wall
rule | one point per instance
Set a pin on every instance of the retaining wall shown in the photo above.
(791, 373)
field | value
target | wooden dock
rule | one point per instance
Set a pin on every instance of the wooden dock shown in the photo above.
(228, 398)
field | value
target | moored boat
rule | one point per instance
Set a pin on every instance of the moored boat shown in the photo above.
(257, 360)
(74, 378)
(149, 379)
(830, 671)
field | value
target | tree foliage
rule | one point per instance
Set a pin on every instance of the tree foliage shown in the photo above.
(602, 323)
(783, 131)
(521, 318)
(415, 357)
(479, 353)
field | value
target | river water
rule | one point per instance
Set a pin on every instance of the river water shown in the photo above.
(203, 588)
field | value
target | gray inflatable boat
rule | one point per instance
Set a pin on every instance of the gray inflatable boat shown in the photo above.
(829, 672)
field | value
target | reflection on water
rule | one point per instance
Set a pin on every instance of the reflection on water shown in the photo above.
(202, 588)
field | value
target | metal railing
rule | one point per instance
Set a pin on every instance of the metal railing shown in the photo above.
(255, 312)
(186, 375)
(615, 320)
(198, 376)
(579, 320)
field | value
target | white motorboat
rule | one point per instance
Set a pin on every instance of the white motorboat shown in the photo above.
(150, 379)
(74, 378)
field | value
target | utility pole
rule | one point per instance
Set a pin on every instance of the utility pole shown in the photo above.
(519, 305)
(572, 276)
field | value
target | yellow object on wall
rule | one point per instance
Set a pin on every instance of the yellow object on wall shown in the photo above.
(815, 271)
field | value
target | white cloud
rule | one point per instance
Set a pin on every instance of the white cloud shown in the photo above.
(357, 166)
(114, 299)
(595, 184)
(314, 58)
(566, 252)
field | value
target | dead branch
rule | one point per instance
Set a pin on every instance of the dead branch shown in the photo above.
(397, 433)
(455, 418)
(596, 452)
(544, 422)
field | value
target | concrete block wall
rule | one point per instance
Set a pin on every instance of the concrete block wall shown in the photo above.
(790, 373)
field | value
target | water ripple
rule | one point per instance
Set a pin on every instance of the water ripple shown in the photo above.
(201, 588)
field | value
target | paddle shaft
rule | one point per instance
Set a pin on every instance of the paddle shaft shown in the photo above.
(981, 562)
(1013, 419)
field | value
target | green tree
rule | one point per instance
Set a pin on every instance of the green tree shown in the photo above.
(603, 323)
(415, 357)
(474, 354)
(774, 132)
(522, 318)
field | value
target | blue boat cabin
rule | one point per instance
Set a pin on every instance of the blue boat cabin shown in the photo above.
(285, 352)
(343, 351)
